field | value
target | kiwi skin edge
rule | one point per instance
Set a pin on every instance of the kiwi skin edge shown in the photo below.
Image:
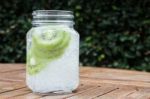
(44, 52)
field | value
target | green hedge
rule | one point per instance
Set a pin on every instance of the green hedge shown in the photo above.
(114, 33)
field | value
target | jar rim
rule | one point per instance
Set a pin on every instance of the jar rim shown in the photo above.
(52, 13)
(52, 16)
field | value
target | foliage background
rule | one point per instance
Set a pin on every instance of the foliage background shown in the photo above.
(114, 33)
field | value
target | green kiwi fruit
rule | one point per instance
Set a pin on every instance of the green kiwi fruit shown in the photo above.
(46, 47)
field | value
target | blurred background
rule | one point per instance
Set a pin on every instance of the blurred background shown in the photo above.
(114, 33)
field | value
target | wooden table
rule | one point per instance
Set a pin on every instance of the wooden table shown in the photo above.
(95, 83)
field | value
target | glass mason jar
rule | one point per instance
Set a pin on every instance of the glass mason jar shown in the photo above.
(52, 52)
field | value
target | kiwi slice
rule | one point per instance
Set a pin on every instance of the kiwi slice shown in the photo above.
(46, 47)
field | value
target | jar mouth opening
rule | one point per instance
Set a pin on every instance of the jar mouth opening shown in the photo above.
(52, 16)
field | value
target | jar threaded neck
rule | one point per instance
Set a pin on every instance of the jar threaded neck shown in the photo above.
(45, 17)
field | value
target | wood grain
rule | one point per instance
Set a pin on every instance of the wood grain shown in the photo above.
(95, 83)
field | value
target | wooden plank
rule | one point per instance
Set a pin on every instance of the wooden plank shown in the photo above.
(11, 67)
(18, 75)
(95, 92)
(140, 93)
(13, 93)
(28, 96)
(115, 74)
(146, 96)
(122, 92)
(105, 81)
(10, 86)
